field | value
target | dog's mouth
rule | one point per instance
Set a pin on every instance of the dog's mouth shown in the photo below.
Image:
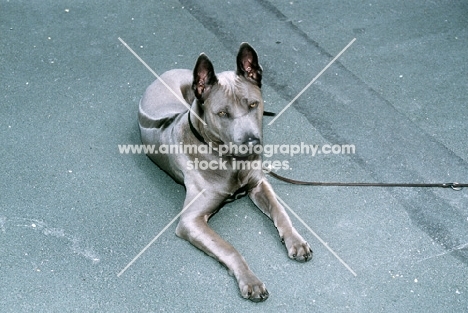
(245, 150)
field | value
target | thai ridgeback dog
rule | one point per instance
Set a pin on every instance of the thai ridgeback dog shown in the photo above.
(219, 116)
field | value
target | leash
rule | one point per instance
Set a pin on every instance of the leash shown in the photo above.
(454, 186)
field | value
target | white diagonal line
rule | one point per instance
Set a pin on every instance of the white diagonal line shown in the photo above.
(312, 81)
(317, 236)
(160, 233)
(162, 81)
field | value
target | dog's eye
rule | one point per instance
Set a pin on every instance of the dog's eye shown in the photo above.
(222, 114)
(253, 105)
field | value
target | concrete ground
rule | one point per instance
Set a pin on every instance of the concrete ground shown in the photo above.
(74, 211)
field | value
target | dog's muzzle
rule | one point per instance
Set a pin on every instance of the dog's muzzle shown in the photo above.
(251, 146)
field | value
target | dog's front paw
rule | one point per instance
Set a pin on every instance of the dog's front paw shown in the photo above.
(298, 248)
(252, 288)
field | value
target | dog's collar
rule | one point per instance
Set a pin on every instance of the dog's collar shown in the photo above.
(194, 131)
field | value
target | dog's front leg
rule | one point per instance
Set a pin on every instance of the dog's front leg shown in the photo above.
(264, 197)
(193, 227)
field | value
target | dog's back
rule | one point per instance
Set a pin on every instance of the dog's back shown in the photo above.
(160, 101)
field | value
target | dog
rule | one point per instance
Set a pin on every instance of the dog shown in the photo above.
(220, 117)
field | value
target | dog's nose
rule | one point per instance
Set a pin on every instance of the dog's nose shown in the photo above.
(252, 141)
(248, 146)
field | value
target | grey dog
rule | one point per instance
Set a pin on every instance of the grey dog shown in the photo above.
(226, 110)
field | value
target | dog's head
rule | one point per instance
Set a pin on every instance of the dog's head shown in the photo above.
(231, 103)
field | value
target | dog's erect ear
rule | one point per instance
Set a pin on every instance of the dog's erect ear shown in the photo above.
(247, 64)
(204, 77)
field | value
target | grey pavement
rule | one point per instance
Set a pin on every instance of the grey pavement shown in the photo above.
(74, 211)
